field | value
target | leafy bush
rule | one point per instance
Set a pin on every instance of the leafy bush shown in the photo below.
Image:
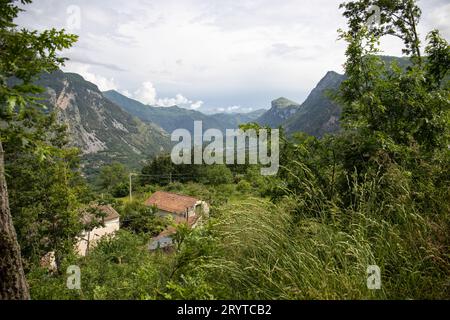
(121, 190)
(139, 218)
(218, 174)
(244, 186)
(122, 268)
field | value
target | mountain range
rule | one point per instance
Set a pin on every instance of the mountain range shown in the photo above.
(317, 115)
(103, 131)
(172, 118)
(108, 126)
(282, 109)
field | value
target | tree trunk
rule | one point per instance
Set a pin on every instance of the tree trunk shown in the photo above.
(13, 285)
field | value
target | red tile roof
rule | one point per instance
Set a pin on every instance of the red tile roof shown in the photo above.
(110, 213)
(171, 202)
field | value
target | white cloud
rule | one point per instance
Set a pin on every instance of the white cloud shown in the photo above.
(103, 83)
(147, 94)
(196, 105)
(233, 108)
(441, 17)
(224, 52)
(179, 100)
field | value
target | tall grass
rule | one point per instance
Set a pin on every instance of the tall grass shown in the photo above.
(306, 247)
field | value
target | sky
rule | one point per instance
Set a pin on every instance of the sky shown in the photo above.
(208, 55)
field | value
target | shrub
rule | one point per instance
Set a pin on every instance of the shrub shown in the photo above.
(121, 190)
(244, 186)
(218, 174)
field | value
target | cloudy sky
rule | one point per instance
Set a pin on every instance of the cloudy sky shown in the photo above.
(209, 55)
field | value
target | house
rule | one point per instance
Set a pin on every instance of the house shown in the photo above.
(182, 209)
(88, 239)
(111, 223)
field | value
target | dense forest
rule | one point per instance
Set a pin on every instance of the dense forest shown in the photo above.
(375, 193)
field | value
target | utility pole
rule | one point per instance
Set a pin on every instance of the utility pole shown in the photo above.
(88, 242)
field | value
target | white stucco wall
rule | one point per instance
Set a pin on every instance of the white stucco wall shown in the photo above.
(110, 228)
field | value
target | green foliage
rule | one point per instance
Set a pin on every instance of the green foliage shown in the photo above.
(117, 268)
(121, 190)
(218, 174)
(398, 18)
(244, 186)
(49, 285)
(141, 219)
(438, 57)
(258, 250)
(41, 174)
(114, 178)
(24, 55)
(375, 194)
(46, 189)
(161, 170)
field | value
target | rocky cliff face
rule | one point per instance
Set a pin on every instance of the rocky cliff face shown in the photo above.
(319, 114)
(282, 109)
(101, 129)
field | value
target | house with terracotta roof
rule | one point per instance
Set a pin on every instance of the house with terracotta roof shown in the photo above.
(182, 209)
(110, 224)
(87, 240)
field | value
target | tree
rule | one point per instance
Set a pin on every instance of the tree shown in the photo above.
(396, 118)
(158, 170)
(218, 174)
(45, 194)
(398, 18)
(24, 55)
(13, 284)
(113, 177)
(398, 107)
(438, 66)
(161, 170)
(140, 218)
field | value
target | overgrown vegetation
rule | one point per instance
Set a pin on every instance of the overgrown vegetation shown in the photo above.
(377, 193)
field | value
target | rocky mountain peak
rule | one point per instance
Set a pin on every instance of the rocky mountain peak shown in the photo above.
(282, 102)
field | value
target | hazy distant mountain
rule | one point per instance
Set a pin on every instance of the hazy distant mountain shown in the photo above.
(319, 114)
(282, 109)
(233, 120)
(171, 118)
(316, 116)
(100, 128)
(255, 114)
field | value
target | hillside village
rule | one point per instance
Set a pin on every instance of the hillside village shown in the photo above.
(94, 204)
(177, 209)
